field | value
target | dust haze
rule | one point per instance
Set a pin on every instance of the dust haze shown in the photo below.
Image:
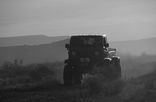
(33, 34)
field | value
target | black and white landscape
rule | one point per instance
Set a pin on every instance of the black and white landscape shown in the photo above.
(41, 70)
(33, 34)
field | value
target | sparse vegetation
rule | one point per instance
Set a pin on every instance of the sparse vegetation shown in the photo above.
(42, 83)
(13, 75)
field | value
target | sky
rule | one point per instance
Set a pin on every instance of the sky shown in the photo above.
(118, 19)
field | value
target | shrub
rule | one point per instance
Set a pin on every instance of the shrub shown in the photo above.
(14, 74)
(92, 83)
(98, 84)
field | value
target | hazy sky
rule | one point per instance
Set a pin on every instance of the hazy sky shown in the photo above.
(119, 19)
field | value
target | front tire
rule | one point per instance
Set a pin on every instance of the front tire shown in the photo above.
(116, 67)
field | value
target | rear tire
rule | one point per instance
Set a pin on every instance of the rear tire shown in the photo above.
(67, 75)
(77, 76)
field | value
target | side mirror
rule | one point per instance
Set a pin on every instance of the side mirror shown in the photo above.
(106, 45)
(67, 46)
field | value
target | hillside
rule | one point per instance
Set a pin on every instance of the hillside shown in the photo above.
(136, 47)
(39, 83)
(141, 89)
(29, 40)
(34, 54)
(43, 82)
(56, 51)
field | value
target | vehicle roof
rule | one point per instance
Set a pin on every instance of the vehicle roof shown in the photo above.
(96, 35)
(83, 40)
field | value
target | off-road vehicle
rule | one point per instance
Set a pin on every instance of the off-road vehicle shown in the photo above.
(85, 54)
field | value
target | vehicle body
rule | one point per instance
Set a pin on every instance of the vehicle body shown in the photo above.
(85, 52)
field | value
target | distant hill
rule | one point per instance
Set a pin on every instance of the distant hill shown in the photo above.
(29, 40)
(34, 54)
(136, 47)
(55, 51)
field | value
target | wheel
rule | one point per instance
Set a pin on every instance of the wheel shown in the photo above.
(103, 68)
(77, 76)
(116, 67)
(67, 75)
(112, 68)
(107, 61)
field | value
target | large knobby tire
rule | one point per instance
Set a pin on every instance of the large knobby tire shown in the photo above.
(107, 67)
(116, 67)
(111, 68)
(67, 75)
(77, 76)
(103, 68)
